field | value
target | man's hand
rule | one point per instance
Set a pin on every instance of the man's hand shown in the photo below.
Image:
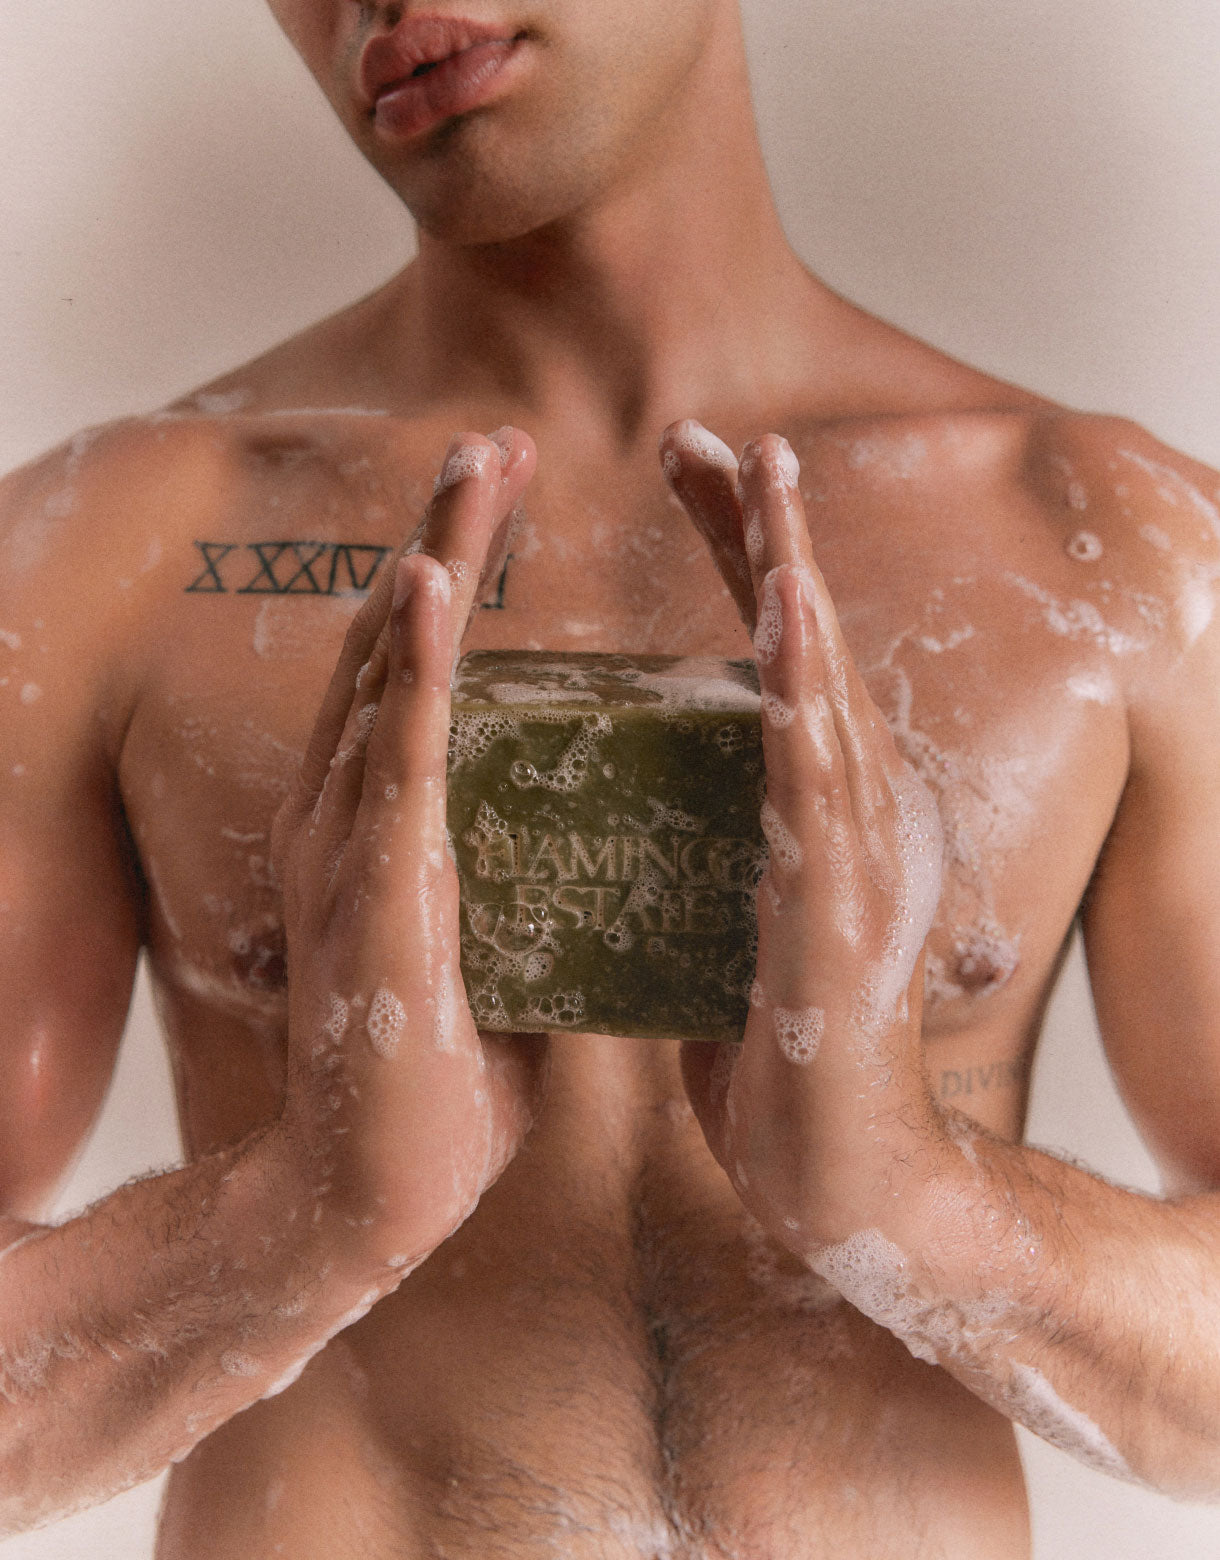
(832, 1052)
(1084, 1311)
(401, 1113)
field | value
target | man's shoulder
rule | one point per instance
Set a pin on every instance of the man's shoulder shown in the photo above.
(93, 510)
(1078, 470)
(173, 469)
(100, 536)
(1110, 488)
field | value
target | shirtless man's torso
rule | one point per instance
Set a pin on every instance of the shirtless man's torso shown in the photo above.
(611, 1357)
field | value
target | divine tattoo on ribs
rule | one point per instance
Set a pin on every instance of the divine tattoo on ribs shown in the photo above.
(956, 1083)
(295, 568)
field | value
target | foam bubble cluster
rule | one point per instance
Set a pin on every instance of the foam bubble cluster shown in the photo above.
(755, 540)
(871, 1273)
(692, 438)
(386, 1021)
(471, 735)
(785, 847)
(570, 772)
(336, 1025)
(462, 464)
(563, 1008)
(776, 711)
(769, 632)
(799, 1033)
(537, 966)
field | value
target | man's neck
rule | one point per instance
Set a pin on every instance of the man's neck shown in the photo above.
(676, 281)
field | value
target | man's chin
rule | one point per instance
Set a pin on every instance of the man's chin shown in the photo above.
(468, 185)
(488, 214)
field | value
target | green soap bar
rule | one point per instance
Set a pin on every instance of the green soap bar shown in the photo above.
(604, 812)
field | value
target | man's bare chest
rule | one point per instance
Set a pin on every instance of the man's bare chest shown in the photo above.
(1002, 699)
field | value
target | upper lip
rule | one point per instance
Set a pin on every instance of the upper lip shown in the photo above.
(390, 58)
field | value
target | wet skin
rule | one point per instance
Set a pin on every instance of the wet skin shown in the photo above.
(610, 1357)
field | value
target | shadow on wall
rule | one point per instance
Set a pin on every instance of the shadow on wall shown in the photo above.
(1034, 186)
(219, 215)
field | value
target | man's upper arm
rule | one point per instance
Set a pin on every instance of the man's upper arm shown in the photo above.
(1152, 915)
(69, 902)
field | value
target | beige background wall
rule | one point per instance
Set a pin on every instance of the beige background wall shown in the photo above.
(1033, 184)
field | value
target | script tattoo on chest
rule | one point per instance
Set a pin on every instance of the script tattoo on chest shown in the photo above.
(295, 568)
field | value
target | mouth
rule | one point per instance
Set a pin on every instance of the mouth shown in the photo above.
(429, 69)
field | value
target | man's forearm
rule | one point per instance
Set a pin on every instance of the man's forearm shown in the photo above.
(131, 1332)
(1088, 1313)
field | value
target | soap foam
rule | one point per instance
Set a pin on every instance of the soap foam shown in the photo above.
(465, 462)
(755, 539)
(529, 693)
(1196, 606)
(234, 1363)
(563, 1009)
(386, 1021)
(470, 735)
(570, 773)
(784, 844)
(702, 683)
(692, 438)
(776, 711)
(335, 1026)
(786, 464)
(799, 1032)
(1075, 619)
(1032, 1400)
(1091, 687)
(1084, 547)
(801, 1291)
(1157, 538)
(870, 1272)
(445, 1017)
(769, 632)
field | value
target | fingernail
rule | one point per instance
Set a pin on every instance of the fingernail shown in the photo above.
(503, 441)
(691, 437)
(788, 465)
(462, 460)
(404, 583)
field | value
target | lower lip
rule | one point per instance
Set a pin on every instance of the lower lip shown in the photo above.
(463, 82)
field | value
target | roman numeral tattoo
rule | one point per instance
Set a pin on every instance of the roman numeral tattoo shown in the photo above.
(287, 569)
(299, 569)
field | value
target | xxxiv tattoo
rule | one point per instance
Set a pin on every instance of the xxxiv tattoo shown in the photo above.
(297, 569)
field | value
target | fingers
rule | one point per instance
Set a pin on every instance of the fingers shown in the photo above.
(466, 525)
(775, 531)
(465, 528)
(702, 472)
(814, 888)
(777, 536)
(404, 783)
